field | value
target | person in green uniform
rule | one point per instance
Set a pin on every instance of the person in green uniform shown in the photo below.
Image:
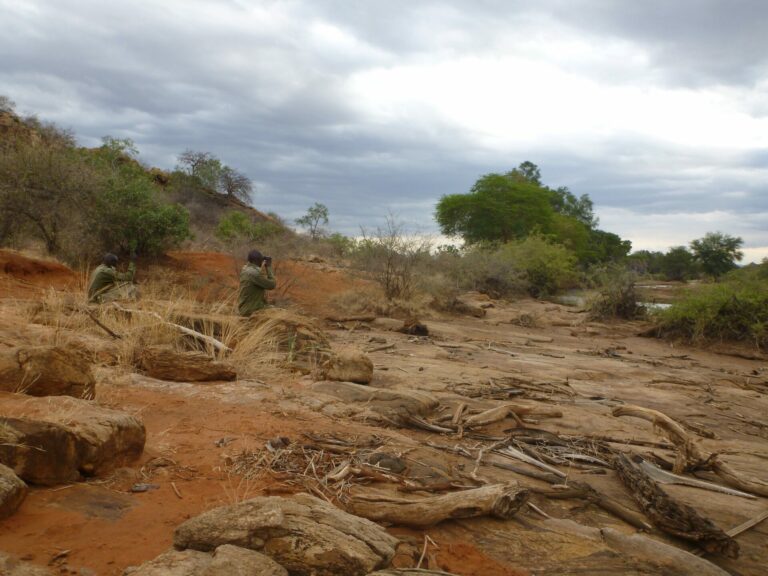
(256, 278)
(107, 284)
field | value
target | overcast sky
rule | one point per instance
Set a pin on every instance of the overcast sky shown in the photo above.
(658, 109)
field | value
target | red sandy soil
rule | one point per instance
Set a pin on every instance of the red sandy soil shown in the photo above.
(23, 276)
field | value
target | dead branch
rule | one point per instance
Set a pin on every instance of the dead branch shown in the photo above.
(690, 456)
(188, 331)
(497, 500)
(668, 514)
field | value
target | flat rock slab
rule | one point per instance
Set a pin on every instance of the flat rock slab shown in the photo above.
(46, 371)
(59, 439)
(226, 560)
(10, 566)
(392, 403)
(165, 363)
(13, 490)
(306, 535)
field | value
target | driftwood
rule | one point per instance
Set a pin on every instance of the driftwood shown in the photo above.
(516, 410)
(668, 514)
(744, 526)
(690, 456)
(167, 364)
(497, 500)
(665, 477)
(577, 489)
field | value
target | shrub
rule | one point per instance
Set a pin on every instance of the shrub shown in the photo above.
(617, 297)
(234, 226)
(734, 310)
(535, 266)
(393, 258)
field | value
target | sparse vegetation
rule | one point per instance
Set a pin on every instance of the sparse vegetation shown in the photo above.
(616, 298)
(735, 309)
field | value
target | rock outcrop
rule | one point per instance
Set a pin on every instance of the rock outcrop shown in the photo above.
(10, 566)
(226, 560)
(348, 366)
(46, 371)
(306, 535)
(13, 490)
(57, 439)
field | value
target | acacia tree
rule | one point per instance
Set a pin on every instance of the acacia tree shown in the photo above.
(235, 184)
(717, 252)
(314, 219)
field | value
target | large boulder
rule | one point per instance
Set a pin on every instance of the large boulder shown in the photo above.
(306, 535)
(57, 439)
(227, 560)
(165, 363)
(348, 366)
(46, 371)
(13, 490)
(391, 403)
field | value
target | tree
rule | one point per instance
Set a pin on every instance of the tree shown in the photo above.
(314, 219)
(678, 264)
(717, 252)
(6, 104)
(202, 166)
(497, 208)
(235, 184)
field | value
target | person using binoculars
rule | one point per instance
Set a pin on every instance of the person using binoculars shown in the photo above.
(256, 278)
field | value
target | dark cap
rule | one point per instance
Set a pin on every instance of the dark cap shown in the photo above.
(110, 259)
(255, 257)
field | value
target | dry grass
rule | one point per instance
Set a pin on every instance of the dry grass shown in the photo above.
(275, 337)
(372, 301)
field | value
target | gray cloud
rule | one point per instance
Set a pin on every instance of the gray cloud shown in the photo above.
(267, 87)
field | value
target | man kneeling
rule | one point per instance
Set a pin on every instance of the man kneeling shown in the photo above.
(107, 284)
(254, 282)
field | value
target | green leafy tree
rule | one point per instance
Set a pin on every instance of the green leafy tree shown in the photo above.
(315, 218)
(717, 253)
(497, 208)
(678, 264)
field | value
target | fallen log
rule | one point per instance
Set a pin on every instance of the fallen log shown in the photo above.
(497, 500)
(668, 514)
(167, 364)
(690, 456)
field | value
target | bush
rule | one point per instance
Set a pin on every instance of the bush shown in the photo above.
(617, 297)
(535, 266)
(734, 310)
(393, 259)
(235, 226)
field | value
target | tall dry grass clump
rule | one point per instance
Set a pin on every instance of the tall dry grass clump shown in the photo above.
(276, 338)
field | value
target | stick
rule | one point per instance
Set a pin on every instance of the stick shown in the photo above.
(102, 326)
(497, 500)
(176, 490)
(380, 348)
(736, 530)
(517, 454)
(456, 420)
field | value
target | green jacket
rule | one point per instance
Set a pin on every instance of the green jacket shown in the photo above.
(253, 284)
(104, 278)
